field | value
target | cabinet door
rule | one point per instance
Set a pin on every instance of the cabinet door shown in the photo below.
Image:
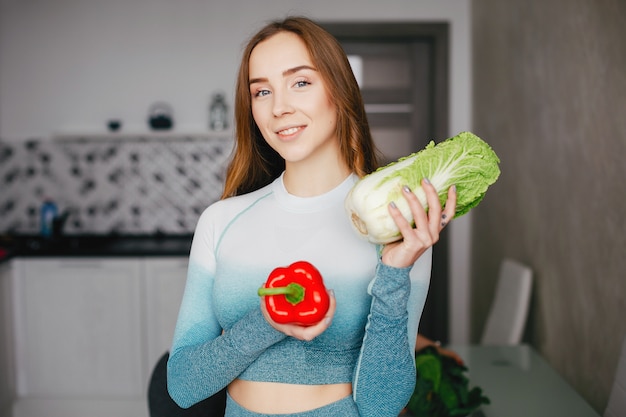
(165, 283)
(79, 328)
(7, 388)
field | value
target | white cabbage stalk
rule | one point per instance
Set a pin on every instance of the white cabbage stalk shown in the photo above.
(465, 161)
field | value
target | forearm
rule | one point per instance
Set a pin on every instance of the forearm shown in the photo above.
(385, 374)
(196, 372)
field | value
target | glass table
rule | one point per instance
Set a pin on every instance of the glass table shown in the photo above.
(519, 382)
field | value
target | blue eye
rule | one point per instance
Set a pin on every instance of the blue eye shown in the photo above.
(261, 93)
(302, 83)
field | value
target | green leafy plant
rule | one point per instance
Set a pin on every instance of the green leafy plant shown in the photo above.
(442, 389)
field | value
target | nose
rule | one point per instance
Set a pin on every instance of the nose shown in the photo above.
(282, 104)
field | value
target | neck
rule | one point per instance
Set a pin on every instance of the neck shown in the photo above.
(304, 181)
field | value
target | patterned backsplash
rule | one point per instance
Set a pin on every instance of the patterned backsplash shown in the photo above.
(128, 185)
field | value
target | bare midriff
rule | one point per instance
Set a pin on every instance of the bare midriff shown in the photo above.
(278, 398)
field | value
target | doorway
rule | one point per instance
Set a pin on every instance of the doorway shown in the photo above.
(402, 69)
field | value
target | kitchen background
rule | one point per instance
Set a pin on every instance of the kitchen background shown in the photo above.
(543, 82)
(127, 185)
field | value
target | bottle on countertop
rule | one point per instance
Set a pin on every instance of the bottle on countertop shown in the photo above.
(49, 212)
(218, 113)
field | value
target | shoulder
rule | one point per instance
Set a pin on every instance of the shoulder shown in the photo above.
(223, 211)
(216, 218)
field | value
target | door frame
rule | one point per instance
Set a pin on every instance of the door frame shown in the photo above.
(434, 322)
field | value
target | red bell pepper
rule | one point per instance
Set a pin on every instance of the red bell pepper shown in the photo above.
(296, 294)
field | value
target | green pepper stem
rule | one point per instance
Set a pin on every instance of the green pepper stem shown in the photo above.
(293, 292)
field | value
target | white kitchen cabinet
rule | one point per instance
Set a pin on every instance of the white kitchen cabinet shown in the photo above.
(164, 280)
(88, 332)
(7, 385)
(78, 328)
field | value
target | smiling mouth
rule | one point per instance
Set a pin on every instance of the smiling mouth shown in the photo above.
(290, 131)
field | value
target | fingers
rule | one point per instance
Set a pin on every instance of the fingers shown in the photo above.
(307, 333)
(403, 225)
(427, 224)
(450, 207)
(311, 332)
(437, 217)
(417, 238)
(433, 220)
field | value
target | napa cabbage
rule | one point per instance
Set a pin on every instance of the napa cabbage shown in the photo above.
(464, 160)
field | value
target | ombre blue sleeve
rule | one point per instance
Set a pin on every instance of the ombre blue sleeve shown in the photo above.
(384, 377)
(204, 358)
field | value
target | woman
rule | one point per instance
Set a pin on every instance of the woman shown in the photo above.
(302, 142)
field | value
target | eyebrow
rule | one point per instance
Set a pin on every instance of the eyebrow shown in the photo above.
(287, 72)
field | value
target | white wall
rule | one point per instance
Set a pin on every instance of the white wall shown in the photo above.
(70, 65)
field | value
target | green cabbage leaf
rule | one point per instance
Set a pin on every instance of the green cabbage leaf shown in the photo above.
(464, 160)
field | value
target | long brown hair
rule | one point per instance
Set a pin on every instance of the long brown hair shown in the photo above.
(255, 164)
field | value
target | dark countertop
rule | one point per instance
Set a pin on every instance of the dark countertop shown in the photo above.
(94, 245)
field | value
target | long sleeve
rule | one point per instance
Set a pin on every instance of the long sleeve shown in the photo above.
(204, 357)
(384, 377)
(196, 372)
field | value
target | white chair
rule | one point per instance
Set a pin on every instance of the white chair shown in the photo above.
(509, 309)
(617, 400)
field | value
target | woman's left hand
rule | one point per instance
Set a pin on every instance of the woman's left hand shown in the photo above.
(306, 333)
(416, 240)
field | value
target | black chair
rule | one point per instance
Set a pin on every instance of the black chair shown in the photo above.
(160, 404)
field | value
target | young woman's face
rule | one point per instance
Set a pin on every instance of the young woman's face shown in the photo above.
(290, 104)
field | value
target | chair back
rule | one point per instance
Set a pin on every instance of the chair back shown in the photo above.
(617, 399)
(509, 309)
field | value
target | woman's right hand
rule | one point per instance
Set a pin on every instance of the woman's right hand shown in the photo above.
(307, 333)
(416, 239)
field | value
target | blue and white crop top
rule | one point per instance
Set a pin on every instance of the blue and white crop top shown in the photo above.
(221, 334)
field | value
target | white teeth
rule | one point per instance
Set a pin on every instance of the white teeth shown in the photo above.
(289, 131)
